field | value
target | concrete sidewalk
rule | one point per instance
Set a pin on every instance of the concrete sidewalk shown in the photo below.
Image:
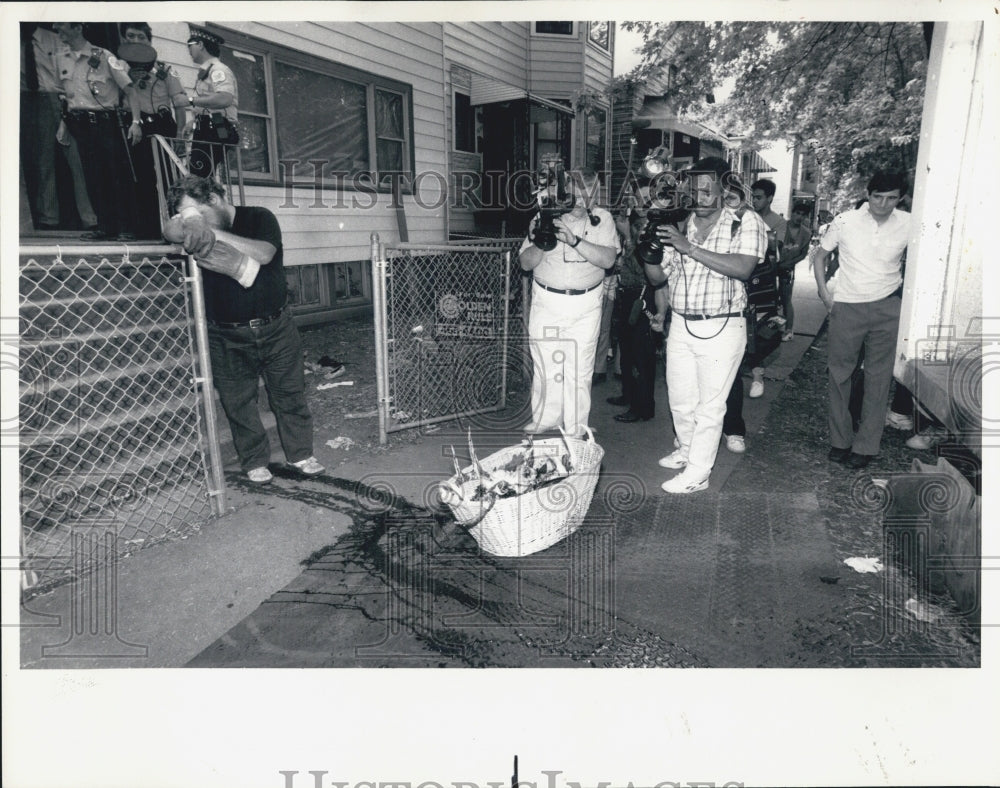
(167, 604)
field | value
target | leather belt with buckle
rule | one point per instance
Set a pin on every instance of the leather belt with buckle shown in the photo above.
(711, 317)
(257, 322)
(564, 291)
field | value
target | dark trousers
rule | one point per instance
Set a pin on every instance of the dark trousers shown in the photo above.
(106, 169)
(638, 354)
(210, 146)
(147, 200)
(240, 357)
(872, 326)
(732, 423)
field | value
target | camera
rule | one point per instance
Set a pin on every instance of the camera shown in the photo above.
(553, 201)
(671, 205)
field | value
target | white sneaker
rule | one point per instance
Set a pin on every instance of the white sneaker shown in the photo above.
(675, 460)
(757, 389)
(735, 443)
(684, 483)
(259, 475)
(927, 439)
(309, 466)
(788, 336)
(898, 421)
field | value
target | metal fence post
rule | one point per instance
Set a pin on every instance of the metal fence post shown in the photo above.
(216, 485)
(381, 348)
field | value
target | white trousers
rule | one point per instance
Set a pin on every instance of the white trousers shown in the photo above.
(700, 373)
(563, 331)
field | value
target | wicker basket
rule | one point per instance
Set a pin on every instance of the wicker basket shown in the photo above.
(524, 524)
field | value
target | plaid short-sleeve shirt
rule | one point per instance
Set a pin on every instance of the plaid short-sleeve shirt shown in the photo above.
(697, 289)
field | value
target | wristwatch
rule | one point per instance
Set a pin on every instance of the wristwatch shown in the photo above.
(575, 243)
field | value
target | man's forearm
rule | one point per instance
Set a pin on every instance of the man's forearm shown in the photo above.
(529, 258)
(595, 254)
(261, 251)
(737, 266)
(213, 100)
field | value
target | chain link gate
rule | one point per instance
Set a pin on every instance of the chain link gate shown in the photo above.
(117, 439)
(442, 328)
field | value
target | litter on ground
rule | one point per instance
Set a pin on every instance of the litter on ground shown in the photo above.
(324, 386)
(340, 442)
(866, 564)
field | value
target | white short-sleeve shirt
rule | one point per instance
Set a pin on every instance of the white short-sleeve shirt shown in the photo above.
(871, 254)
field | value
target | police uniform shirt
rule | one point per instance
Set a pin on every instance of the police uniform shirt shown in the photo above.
(216, 77)
(90, 86)
(48, 46)
(163, 89)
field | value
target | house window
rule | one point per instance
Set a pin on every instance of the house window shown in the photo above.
(295, 106)
(599, 33)
(468, 124)
(554, 28)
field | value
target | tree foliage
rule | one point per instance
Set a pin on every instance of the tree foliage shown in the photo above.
(851, 91)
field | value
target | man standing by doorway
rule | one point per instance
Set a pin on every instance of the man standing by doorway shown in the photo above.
(94, 81)
(864, 312)
(215, 104)
(565, 317)
(250, 330)
(41, 116)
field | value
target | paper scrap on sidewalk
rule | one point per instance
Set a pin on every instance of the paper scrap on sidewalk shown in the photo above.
(368, 414)
(324, 386)
(921, 610)
(340, 442)
(866, 564)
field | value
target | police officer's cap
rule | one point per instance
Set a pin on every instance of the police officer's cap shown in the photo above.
(137, 55)
(202, 36)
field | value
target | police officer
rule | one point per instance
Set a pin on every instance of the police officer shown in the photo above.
(162, 101)
(94, 82)
(214, 103)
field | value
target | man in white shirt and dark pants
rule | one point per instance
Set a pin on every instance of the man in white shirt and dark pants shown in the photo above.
(864, 312)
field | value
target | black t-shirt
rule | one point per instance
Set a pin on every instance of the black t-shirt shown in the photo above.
(226, 300)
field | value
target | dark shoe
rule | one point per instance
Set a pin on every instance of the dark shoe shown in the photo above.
(858, 461)
(94, 235)
(600, 377)
(838, 455)
(620, 402)
(628, 417)
(126, 237)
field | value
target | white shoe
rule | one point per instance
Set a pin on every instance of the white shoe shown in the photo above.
(926, 440)
(677, 459)
(788, 336)
(684, 483)
(898, 421)
(309, 466)
(735, 443)
(757, 389)
(259, 475)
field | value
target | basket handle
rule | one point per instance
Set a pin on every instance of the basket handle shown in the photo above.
(569, 448)
(454, 489)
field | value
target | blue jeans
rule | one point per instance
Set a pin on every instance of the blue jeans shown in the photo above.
(240, 356)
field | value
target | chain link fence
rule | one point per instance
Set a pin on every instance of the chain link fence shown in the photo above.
(112, 413)
(442, 329)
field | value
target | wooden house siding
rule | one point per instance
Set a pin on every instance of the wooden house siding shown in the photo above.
(408, 53)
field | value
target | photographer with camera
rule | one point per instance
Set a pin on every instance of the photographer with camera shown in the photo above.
(570, 245)
(704, 272)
